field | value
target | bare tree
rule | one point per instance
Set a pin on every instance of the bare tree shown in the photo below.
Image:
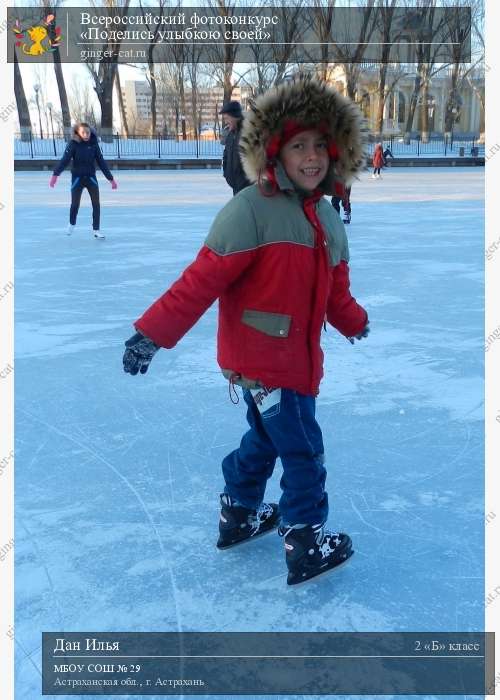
(23, 112)
(82, 102)
(171, 89)
(224, 55)
(154, 30)
(290, 30)
(132, 121)
(123, 112)
(455, 27)
(195, 77)
(272, 62)
(167, 98)
(103, 73)
(428, 25)
(40, 79)
(323, 25)
(344, 54)
(475, 74)
(262, 74)
(384, 17)
(462, 72)
(51, 9)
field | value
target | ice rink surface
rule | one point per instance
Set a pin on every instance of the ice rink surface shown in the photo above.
(117, 477)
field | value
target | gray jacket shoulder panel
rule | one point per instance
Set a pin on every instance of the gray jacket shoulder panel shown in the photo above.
(279, 218)
(250, 220)
(335, 230)
(234, 229)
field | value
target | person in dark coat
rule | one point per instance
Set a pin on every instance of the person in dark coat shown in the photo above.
(345, 200)
(387, 155)
(83, 151)
(231, 163)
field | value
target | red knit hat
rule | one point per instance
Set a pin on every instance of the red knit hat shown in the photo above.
(290, 129)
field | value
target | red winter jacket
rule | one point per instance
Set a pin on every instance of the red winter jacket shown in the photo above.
(277, 278)
(378, 157)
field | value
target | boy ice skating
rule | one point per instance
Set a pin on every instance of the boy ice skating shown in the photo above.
(276, 257)
(83, 150)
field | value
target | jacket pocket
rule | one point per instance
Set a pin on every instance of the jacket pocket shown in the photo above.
(275, 325)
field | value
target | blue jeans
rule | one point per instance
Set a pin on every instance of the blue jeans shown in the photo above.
(282, 425)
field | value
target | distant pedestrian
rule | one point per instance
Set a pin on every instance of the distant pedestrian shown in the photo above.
(345, 200)
(377, 161)
(387, 155)
(231, 163)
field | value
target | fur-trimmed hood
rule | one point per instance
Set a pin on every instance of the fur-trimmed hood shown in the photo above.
(310, 102)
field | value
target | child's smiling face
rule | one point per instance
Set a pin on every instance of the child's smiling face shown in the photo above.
(305, 159)
(84, 133)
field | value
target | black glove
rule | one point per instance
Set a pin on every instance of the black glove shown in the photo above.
(139, 353)
(361, 335)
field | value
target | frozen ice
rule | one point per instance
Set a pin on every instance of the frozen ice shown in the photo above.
(118, 477)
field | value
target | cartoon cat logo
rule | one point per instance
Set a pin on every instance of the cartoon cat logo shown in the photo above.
(38, 34)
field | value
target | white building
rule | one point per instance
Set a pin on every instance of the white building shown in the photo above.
(169, 115)
(469, 119)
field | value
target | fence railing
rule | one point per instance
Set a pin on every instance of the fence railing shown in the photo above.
(119, 147)
(168, 148)
(448, 146)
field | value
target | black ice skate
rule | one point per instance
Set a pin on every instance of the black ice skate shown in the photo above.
(238, 524)
(312, 550)
(347, 219)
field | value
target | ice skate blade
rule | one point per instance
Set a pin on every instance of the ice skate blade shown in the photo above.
(295, 580)
(222, 546)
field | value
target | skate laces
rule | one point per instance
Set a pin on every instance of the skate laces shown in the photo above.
(325, 539)
(263, 512)
(284, 531)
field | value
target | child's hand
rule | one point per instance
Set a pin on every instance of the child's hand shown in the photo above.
(139, 353)
(361, 335)
(53, 181)
(114, 184)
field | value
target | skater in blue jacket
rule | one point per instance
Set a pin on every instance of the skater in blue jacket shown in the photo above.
(83, 151)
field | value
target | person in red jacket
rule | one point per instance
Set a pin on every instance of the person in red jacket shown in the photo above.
(276, 258)
(378, 161)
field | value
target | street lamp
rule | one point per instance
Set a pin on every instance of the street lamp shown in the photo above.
(36, 88)
(50, 105)
(454, 112)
